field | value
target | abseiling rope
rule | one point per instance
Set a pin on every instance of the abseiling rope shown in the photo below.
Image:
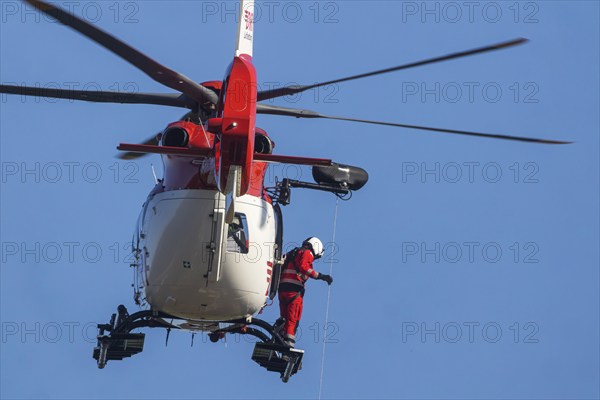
(337, 202)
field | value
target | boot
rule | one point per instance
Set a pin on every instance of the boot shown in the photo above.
(278, 324)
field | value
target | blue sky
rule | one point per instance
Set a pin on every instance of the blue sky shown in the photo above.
(466, 268)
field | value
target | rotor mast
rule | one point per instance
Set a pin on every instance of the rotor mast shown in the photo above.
(238, 116)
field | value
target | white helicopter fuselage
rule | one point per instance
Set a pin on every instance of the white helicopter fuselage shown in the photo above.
(189, 263)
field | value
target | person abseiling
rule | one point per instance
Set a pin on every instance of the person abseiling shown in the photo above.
(298, 267)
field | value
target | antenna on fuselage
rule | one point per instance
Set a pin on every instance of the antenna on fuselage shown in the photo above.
(156, 180)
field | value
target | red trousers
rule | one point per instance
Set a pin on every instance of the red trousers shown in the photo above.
(292, 312)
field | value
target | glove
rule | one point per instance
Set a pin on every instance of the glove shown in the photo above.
(326, 278)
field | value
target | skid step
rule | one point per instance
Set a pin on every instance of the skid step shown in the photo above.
(278, 358)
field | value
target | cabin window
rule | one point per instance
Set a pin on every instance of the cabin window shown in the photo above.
(237, 235)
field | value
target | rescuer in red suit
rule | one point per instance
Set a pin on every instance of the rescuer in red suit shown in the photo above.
(296, 271)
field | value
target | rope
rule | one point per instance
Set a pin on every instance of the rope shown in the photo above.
(337, 201)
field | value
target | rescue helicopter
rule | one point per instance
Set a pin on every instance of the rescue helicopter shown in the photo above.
(212, 204)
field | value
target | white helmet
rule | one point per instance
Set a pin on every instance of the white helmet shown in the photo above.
(315, 245)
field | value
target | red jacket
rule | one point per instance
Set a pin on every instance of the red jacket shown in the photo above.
(298, 270)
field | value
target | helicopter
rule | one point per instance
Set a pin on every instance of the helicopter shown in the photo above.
(212, 205)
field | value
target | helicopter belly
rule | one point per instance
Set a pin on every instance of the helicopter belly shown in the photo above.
(198, 267)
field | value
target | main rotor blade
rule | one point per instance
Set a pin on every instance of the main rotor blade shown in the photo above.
(206, 98)
(298, 113)
(290, 90)
(162, 99)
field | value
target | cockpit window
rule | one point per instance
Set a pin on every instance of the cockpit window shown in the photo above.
(237, 235)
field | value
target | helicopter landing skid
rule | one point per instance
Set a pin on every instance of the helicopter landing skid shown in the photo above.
(278, 358)
(120, 343)
(271, 353)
